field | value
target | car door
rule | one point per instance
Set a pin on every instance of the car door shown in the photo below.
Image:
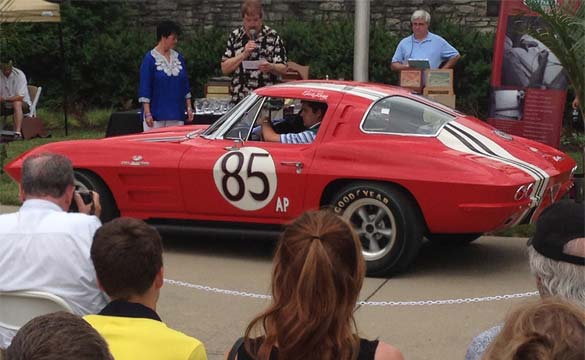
(227, 179)
(248, 183)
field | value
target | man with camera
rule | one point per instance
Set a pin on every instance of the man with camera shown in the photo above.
(45, 248)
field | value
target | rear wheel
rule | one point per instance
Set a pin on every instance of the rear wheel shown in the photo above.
(388, 224)
(86, 181)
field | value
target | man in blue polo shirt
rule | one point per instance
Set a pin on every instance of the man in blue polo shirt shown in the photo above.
(423, 44)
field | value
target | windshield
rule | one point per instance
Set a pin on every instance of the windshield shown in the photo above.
(237, 108)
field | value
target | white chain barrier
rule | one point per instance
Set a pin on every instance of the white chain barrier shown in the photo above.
(363, 303)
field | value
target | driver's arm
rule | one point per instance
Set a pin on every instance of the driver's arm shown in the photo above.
(268, 132)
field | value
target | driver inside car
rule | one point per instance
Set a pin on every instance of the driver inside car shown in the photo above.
(312, 113)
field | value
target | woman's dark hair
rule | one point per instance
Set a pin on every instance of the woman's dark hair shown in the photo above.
(317, 276)
(166, 28)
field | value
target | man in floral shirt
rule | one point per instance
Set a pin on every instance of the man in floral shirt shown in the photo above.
(255, 55)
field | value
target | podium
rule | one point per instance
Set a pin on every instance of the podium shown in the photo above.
(218, 88)
(439, 86)
(412, 80)
(434, 84)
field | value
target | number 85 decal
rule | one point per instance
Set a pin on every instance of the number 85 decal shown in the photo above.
(246, 178)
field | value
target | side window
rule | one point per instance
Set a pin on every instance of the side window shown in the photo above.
(283, 113)
(400, 115)
(277, 109)
(241, 128)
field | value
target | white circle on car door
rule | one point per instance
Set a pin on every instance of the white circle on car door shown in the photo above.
(246, 178)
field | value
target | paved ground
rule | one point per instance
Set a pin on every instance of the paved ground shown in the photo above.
(491, 266)
(488, 267)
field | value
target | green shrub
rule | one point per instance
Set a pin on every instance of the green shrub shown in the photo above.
(202, 50)
(328, 49)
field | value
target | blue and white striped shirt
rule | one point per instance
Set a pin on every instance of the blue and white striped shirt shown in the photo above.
(305, 137)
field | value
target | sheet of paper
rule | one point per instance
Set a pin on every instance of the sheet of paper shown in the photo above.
(251, 64)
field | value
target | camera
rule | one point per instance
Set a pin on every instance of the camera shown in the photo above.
(86, 196)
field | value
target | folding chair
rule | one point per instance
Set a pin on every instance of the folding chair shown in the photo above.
(32, 126)
(18, 307)
(34, 92)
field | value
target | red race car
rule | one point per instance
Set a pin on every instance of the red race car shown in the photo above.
(397, 166)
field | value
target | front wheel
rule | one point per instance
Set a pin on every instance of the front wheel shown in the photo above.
(387, 222)
(86, 181)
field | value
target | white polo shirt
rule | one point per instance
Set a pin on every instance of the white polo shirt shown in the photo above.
(44, 248)
(14, 84)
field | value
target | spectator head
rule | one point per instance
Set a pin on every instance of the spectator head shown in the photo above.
(317, 276)
(252, 16)
(551, 328)
(47, 175)
(6, 66)
(421, 15)
(167, 28)
(57, 336)
(251, 8)
(127, 256)
(557, 251)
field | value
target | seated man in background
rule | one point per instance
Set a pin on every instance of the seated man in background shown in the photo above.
(127, 255)
(58, 336)
(45, 248)
(312, 113)
(556, 254)
(14, 97)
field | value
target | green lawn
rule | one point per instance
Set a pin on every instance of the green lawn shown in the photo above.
(8, 188)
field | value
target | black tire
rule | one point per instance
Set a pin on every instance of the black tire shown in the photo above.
(454, 239)
(387, 221)
(88, 181)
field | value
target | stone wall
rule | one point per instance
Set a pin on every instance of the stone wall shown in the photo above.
(394, 14)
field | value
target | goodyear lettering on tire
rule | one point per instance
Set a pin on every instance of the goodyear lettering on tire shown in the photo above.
(357, 194)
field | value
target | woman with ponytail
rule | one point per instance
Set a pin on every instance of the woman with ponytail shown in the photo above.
(317, 276)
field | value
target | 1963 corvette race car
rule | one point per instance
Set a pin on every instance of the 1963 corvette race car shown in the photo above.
(399, 167)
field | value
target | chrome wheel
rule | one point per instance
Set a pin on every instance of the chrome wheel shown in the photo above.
(375, 224)
(387, 221)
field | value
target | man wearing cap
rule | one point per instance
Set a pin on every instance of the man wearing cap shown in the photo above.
(14, 97)
(556, 255)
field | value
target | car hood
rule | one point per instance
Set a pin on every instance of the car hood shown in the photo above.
(96, 148)
(168, 134)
